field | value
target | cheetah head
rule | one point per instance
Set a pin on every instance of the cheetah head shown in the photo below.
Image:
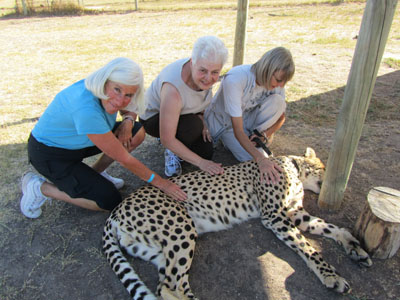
(311, 171)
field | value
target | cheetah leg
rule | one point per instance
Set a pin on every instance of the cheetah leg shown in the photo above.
(148, 253)
(305, 222)
(171, 275)
(175, 285)
(285, 230)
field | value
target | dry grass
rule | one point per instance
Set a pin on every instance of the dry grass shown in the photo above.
(39, 56)
(78, 7)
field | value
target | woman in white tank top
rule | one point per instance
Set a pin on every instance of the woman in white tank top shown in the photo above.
(175, 103)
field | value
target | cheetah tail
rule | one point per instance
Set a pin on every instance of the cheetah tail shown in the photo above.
(122, 268)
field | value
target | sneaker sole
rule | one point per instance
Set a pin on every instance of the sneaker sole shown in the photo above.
(173, 174)
(26, 212)
(118, 186)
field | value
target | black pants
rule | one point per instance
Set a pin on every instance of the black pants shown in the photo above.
(189, 132)
(67, 171)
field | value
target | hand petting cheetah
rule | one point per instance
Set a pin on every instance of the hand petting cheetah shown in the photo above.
(152, 226)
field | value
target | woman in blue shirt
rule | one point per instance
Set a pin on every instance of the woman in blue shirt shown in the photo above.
(81, 122)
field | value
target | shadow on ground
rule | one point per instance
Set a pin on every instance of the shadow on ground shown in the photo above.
(58, 256)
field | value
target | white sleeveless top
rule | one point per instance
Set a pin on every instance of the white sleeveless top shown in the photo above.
(192, 101)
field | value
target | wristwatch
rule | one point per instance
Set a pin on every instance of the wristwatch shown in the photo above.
(129, 117)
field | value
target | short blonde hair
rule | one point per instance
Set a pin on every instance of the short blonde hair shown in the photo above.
(275, 60)
(120, 70)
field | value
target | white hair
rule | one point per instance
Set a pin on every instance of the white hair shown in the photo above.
(120, 70)
(210, 48)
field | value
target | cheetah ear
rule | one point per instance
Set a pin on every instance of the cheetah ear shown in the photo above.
(310, 153)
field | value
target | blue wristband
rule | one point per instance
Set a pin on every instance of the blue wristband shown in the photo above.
(151, 178)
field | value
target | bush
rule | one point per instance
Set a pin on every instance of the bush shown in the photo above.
(55, 7)
(62, 7)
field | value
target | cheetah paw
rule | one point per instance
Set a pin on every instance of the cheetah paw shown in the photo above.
(338, 284)
(354, 250)
(359, 255)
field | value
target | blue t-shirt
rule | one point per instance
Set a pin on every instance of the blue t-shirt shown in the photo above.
(74, 113)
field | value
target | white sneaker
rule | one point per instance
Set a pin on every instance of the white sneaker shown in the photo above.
(172, 164)
(32, 197)
(118, 182)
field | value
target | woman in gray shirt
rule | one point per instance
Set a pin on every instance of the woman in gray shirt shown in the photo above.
(252, 97)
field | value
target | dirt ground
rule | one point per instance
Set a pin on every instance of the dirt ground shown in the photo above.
(247, 262)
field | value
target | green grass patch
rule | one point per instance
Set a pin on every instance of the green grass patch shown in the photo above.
(334, 40)
(392, 62)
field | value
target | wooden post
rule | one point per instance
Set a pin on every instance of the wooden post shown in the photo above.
(136, 5)
(375, 26)
(240, 34)
(378, 226)
(24, 7)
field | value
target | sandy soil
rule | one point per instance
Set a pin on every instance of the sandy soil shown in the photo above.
(247, 262)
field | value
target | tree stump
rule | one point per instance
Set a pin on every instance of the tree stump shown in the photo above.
(378, 226)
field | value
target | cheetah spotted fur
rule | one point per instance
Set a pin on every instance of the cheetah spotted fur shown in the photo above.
(150, 225)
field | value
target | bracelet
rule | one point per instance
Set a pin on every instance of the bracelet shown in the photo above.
(129, 117)
(151, 178)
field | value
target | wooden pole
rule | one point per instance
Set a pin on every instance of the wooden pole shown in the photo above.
(136, 5)
(24, 7)
(240, 34)
(375, 26)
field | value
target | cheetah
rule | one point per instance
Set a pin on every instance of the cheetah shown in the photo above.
(152, 226)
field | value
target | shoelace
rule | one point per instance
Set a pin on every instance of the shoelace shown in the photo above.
(173, 160)
(38, 203)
